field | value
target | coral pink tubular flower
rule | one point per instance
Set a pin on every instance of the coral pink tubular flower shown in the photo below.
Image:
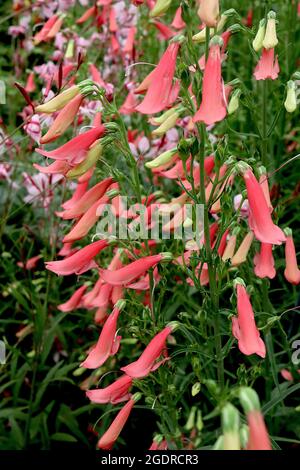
(87, 200)
(78, 261)
(74, 301)
(30, 85)
(30, 263)
(108, 342)
(129, 44)
(96, 76)
(244, 328)
(125, 275)
(64, 119)
(147, 362)
(267, 66)
(80, 190)
(43, 33)
(74, 151)
(166, 32)
(114, 393)
(111, 435)
(89, 13)
(264, 262)
(160, 93)
(213, 107)
(55, 28)
(263, 181)
(260, 220)
(86, 222)
(163, 445)
(258, 434)
(129, 105)
(178, 22)
(90, 296)
(56, 168)
(67, 250)
(117, 294)
(102, 299)
(291, 272)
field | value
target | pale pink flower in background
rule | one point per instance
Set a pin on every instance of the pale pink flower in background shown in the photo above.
(40, 188)
(33, 128)
(244, 209)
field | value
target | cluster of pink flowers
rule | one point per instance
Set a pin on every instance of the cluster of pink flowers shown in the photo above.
(160, 91)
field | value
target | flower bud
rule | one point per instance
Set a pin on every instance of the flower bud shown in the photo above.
(162, 159)
(290, 103)
(260, 35)
(91, 159)
(249, 399)
(270, 40)
(230, 427)
(160, 8)
(190, 424)
(234, 101)
(209, 12)
(167, 124)
(59, 101)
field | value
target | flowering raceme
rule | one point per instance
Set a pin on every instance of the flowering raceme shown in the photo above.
(134, 92)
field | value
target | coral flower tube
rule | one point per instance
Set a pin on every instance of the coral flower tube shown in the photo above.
(147, 361)
(111, 435)
(125, 275)
(114, 393)
(108, 343)
(244, 328)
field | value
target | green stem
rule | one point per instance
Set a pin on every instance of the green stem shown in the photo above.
(264, 144)
(210, 262)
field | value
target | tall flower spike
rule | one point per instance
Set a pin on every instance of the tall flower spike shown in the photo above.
(108, 343)
(291, 272)
(111, 435)
(147, 362)
(161, 91)
(260, 220)
(243, 326)
(213, 107)
(258, 434)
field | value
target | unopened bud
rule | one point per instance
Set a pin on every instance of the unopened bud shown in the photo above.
(270, 40)
(260, 35)
(290, 103)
